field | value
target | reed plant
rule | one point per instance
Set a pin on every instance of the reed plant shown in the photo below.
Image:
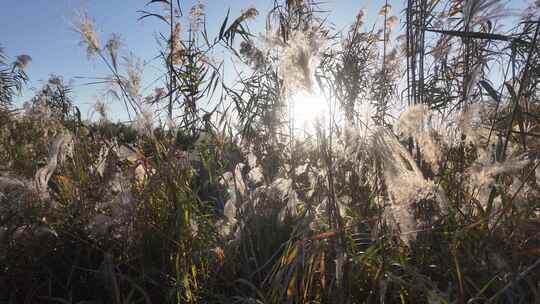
(419, 184)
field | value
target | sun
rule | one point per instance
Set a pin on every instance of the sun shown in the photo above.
(306, 108)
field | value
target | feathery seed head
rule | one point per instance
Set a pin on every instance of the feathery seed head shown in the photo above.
(144, 121)
(85, 26)
(101, 108)
(177, 51)
(252, 54)
(360, 16)
(113, 45)
(196, 16)
(134, 69)
(300, 59)
(23, 61)
(392, 22)
(249, 13)
(385, 9)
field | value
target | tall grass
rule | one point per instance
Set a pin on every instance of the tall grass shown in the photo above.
(236, 203)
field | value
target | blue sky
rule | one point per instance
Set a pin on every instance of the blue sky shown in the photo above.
(42, 29)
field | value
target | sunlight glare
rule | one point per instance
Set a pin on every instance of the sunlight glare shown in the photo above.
(306, 108)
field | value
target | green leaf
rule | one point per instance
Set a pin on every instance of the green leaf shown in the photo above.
(224, 25)
(149, 14)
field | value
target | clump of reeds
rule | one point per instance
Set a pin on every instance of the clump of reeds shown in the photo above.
(435, 203)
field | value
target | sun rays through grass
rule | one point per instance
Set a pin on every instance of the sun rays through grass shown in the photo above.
(379, 163)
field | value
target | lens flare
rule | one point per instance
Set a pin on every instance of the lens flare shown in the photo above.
(306, 108)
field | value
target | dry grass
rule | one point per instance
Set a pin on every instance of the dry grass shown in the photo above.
(438, 203)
